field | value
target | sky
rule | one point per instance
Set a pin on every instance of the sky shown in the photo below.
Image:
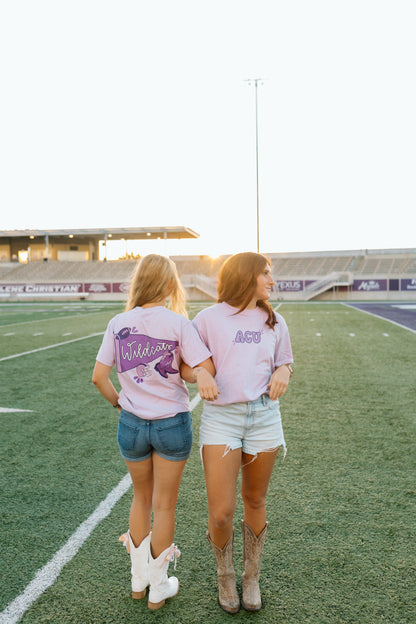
(137, 113)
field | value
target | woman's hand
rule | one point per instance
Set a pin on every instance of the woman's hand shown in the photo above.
(279, 382)
(207, 386)
(203, 375)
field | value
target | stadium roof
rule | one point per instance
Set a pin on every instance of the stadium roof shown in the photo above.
(103, 233)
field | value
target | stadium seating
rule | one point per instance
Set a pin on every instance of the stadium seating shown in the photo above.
(329, 271)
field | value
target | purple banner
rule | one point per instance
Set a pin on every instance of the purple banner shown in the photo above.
(290, 285)
(370, 285)
(408, 284)
(137, 351)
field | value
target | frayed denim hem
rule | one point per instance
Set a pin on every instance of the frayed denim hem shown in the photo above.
(229, 448)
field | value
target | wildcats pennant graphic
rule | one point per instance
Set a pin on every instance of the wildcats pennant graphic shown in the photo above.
(138, 350)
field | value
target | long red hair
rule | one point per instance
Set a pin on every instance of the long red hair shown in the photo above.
(237, 282)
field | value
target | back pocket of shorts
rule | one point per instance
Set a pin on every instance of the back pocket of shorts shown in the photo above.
(126, 437)
(175, 437)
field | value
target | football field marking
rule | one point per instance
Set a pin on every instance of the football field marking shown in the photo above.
(58, 344)
(46, 576)
(54, 318)
(194, 402)
(405, 306)
(13, 409)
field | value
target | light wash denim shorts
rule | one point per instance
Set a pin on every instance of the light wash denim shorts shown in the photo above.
(255, 426)
(170, 438)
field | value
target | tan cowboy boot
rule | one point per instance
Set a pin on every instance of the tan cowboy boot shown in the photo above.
(228, 597)
(252, 551)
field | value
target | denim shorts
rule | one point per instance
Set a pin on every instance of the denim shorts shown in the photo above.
(170, 438)
(255, 426)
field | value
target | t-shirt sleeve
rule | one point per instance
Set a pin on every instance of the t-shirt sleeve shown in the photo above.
(193, 350)
(283, 352)
(106, 353)
(200, 325)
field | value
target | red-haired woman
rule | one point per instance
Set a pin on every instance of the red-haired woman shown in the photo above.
(242, 428)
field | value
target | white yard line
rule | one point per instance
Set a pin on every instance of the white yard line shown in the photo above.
(195, 402)
(58, 344)
(54, 318)
(45, 320)
(13, 409)
(46, 576)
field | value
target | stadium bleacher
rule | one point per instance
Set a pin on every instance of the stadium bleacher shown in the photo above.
(307, 265)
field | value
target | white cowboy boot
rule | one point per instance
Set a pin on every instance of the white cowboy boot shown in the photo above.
(139, 566)
(162, 586)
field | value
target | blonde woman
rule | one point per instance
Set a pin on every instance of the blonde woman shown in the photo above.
(147, 343)
(242, 428)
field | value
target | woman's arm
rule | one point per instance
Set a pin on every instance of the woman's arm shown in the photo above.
(188, 373)
(202, 374)
(101, 380)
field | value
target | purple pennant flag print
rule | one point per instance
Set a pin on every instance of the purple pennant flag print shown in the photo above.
(138, 350)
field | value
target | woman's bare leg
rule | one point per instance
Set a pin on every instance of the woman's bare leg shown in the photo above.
(141, 508)
(221, 473)
(166, 479)
(255, 479)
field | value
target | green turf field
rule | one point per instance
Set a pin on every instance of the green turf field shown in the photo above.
(341, 545)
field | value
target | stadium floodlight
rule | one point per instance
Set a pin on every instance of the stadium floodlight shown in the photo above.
(256, 82)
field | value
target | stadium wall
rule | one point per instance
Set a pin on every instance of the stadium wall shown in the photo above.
(118, 292)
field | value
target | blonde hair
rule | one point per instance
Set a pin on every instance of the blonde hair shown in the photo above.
(237, 282)
(154, 278)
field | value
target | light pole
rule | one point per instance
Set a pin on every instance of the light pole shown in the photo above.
(256, 82)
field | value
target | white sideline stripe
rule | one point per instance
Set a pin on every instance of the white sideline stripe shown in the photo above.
(58, 344)
(53, 318)
(46, 576)
(195, 402)
(13, 409)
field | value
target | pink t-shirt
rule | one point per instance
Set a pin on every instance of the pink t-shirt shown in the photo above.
(245, 350)
(147, 346)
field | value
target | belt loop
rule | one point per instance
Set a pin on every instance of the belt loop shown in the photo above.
(263, 399)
